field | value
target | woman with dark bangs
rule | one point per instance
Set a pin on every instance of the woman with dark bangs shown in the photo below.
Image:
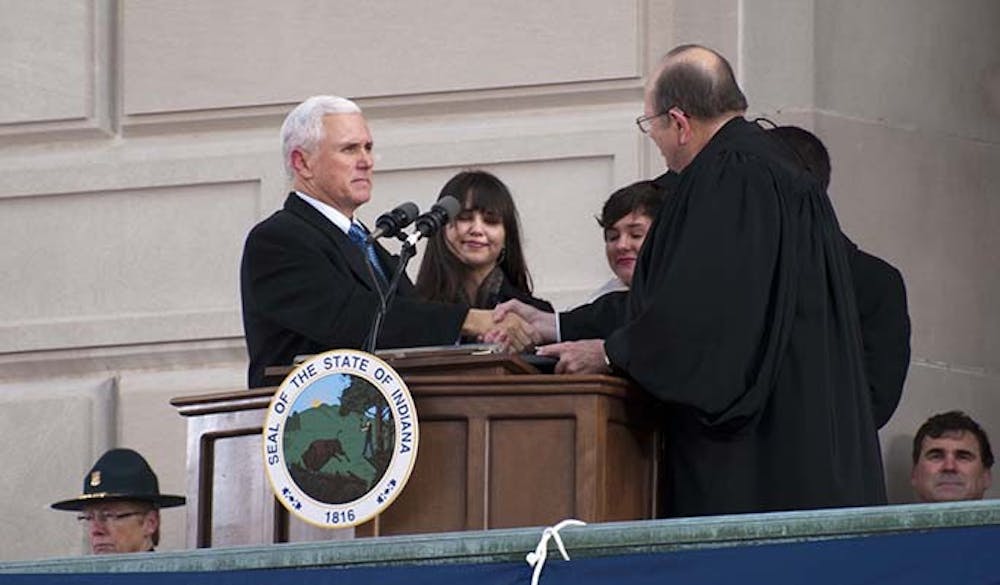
(477, 259)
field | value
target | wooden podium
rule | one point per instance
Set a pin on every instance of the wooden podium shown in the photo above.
(500, 446)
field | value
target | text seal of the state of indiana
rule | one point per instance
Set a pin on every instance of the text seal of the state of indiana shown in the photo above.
(340, 438)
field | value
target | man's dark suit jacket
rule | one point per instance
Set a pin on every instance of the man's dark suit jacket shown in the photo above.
(306, 289)
(885, 328)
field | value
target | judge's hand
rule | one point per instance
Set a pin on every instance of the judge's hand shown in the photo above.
(578, 357)
(511, 332)
(543, 324)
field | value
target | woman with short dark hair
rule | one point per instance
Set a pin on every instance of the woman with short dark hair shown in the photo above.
(625, 218)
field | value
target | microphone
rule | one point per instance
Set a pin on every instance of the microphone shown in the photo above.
(430, 222)
(389, 223)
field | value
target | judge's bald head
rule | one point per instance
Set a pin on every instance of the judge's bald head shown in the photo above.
(698, 81)
(689, 97)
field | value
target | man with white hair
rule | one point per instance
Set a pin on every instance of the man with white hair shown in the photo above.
(305, 277)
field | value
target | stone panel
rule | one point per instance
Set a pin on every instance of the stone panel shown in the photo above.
(927, 204)
(47, 70)
(778, 61)
(135, 265)
(189, 55)
(714, 23)
(58, 428)
(562, 242)
(913, 63)
(150, 425)
(560, 167)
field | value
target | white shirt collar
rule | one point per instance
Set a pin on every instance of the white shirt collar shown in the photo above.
(331, 213)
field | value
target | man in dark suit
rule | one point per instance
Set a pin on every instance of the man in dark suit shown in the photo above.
(878, 289)
(305, 277)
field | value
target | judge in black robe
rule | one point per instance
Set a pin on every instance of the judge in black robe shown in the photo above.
(742, 321)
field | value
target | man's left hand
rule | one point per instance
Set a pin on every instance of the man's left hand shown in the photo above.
(578, 357)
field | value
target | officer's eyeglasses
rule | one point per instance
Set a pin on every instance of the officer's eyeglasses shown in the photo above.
(105, 517)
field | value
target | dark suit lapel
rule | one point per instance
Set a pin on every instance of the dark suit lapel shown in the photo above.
(348, 250)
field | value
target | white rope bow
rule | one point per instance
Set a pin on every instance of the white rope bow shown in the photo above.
(537, 557)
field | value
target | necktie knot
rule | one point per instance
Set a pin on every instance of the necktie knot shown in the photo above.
(357, 234)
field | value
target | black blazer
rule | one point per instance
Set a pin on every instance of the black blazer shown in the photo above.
(885, 328)
(306, 289)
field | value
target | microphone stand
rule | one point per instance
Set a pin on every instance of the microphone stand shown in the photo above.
(441, 213)
(385, 298)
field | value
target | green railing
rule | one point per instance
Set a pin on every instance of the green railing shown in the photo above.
(620, 538)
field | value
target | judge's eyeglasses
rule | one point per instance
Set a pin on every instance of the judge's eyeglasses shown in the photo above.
(645, 123)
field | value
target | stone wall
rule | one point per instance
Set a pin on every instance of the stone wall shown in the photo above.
(138, 144)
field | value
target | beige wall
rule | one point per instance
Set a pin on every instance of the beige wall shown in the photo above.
(138, 144)
(901, 98)
(906, 95)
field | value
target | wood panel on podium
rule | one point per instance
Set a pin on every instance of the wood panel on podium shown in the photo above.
(499, 447)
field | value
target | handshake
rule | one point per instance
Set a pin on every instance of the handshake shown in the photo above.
(515, 326)
(519, 327)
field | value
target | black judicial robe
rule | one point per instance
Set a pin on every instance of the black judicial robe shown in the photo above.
(742, 320)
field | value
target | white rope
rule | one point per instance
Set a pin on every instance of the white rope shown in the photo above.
(537, 557)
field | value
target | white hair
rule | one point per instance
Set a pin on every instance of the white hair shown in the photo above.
(303, 127)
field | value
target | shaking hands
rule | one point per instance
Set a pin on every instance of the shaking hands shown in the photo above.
(519, 327)
(575, 357)
(511, 332)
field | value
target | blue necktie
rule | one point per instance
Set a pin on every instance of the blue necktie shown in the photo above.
(359, 237)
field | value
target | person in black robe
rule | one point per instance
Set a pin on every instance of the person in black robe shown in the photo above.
(878, 288)
(741, 318)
